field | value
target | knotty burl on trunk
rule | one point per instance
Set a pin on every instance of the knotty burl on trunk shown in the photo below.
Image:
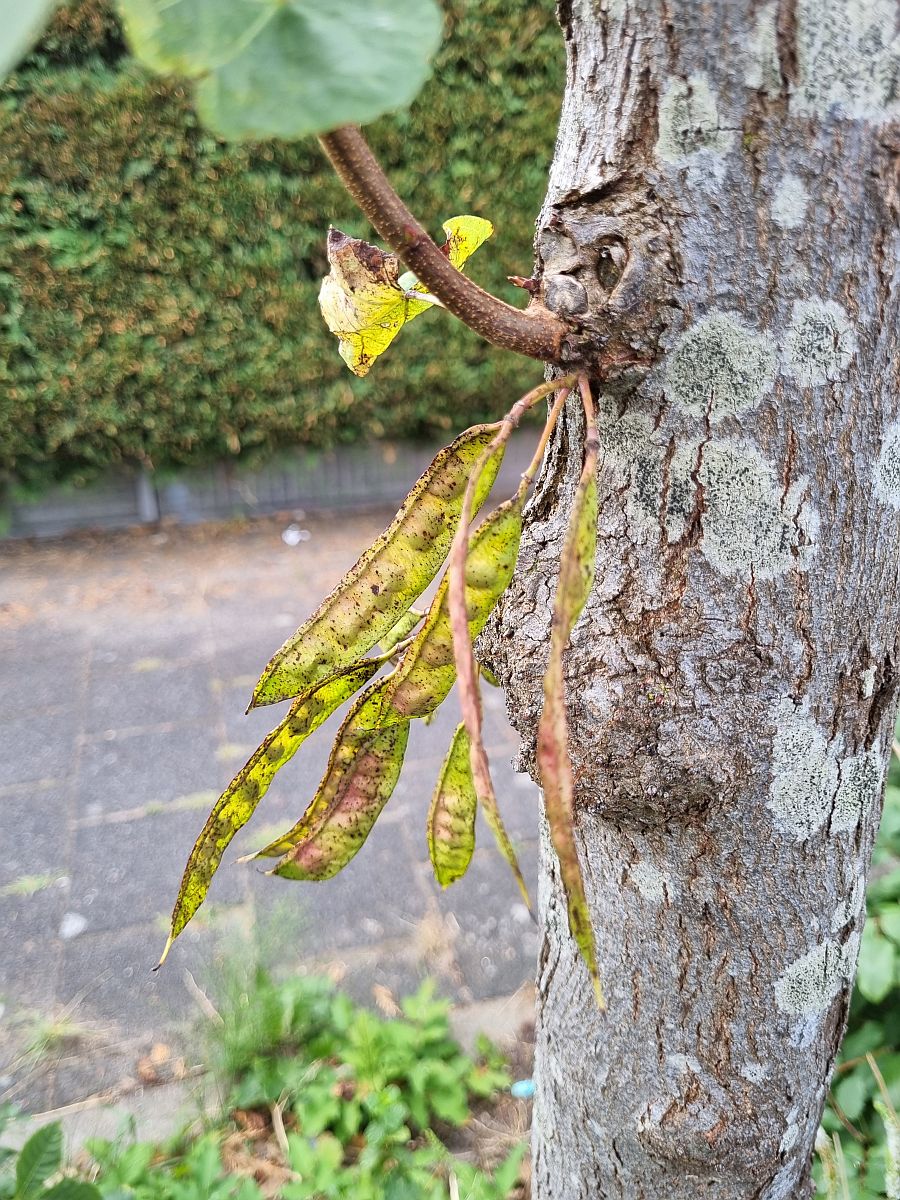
(723, 209)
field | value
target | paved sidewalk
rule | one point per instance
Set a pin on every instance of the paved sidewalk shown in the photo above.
(126, 663)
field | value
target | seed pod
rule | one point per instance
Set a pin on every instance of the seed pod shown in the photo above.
(401, 631)
(361, 776)
(236, 805)
(484, 790)
(451, 817)
(378, 590)
(426, 672)
(576, 577)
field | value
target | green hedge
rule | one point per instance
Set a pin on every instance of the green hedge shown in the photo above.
(158, 288)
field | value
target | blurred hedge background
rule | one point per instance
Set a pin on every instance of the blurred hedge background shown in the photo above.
(158, 288)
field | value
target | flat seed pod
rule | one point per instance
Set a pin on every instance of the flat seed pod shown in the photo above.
(451, 816)
(236, 805)
(379, 589)
(576, 577)
(361, 776)
(357, 731)
(426, 672)
(401, 631)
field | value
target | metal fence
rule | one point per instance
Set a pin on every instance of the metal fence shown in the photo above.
(346, 478)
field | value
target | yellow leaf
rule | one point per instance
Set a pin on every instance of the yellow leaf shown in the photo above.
(365, 300)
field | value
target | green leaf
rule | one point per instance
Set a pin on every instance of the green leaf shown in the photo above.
(877, 965)
(40, 1157)
(854, 1090)
(366, 302)
(238, 802)
(401, 631)
(286, 68)
(21, 23)
(72, 1189)
(389, 576)
(451, 817)
(889, 920)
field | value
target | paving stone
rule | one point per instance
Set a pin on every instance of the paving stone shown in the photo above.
(137, 699)
(38, 747)
(32, 820)
(135, 769)
(29, 948)
(497, 942)
(128, 872)
(110, 975)
(378, 895)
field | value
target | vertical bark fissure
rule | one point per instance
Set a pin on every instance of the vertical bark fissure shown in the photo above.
(722, 206)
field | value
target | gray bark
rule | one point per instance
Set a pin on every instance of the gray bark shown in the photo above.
(722, 214)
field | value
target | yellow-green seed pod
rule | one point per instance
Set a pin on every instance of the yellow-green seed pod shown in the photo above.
(238, 802)
(576, 578)
(362, 773)
(401, 631)
(359, 728)
(378, 590)
(451, 816)
(426, 672)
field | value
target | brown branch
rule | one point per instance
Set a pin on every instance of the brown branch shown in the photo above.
(534, 331)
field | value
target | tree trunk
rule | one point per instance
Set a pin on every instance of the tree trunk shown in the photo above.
(723, 211)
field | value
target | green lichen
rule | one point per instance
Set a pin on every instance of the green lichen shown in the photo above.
(749, 521)
(848, 60)
(720, 367)
(859, 789)
(689, 121)
(887, 472)
(811, 982)
(820, 342)
(804, 772)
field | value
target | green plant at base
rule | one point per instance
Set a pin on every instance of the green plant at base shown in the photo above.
(874, 1025)
(34, 1173)
(357, 1097)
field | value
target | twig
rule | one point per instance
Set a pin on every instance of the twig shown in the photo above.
(534, 331)
(203, 1001)
(882, 1086)
(277, 1111)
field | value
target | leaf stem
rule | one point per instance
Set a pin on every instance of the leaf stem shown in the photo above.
(534, 331)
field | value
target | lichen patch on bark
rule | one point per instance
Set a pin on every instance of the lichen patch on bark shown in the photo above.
(720, 367)
(750, 523)
(653, 884)
(821, 342)
(849, 909)
(859, 788)
(887, 472)
(811, 982)
(804, 772)
(763, 69)
(790, 201)
(689, 121)
(848, 60)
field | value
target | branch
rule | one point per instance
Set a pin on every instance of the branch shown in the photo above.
(534, 331)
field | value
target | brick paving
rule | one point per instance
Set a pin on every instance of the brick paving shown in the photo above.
(126, 663)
